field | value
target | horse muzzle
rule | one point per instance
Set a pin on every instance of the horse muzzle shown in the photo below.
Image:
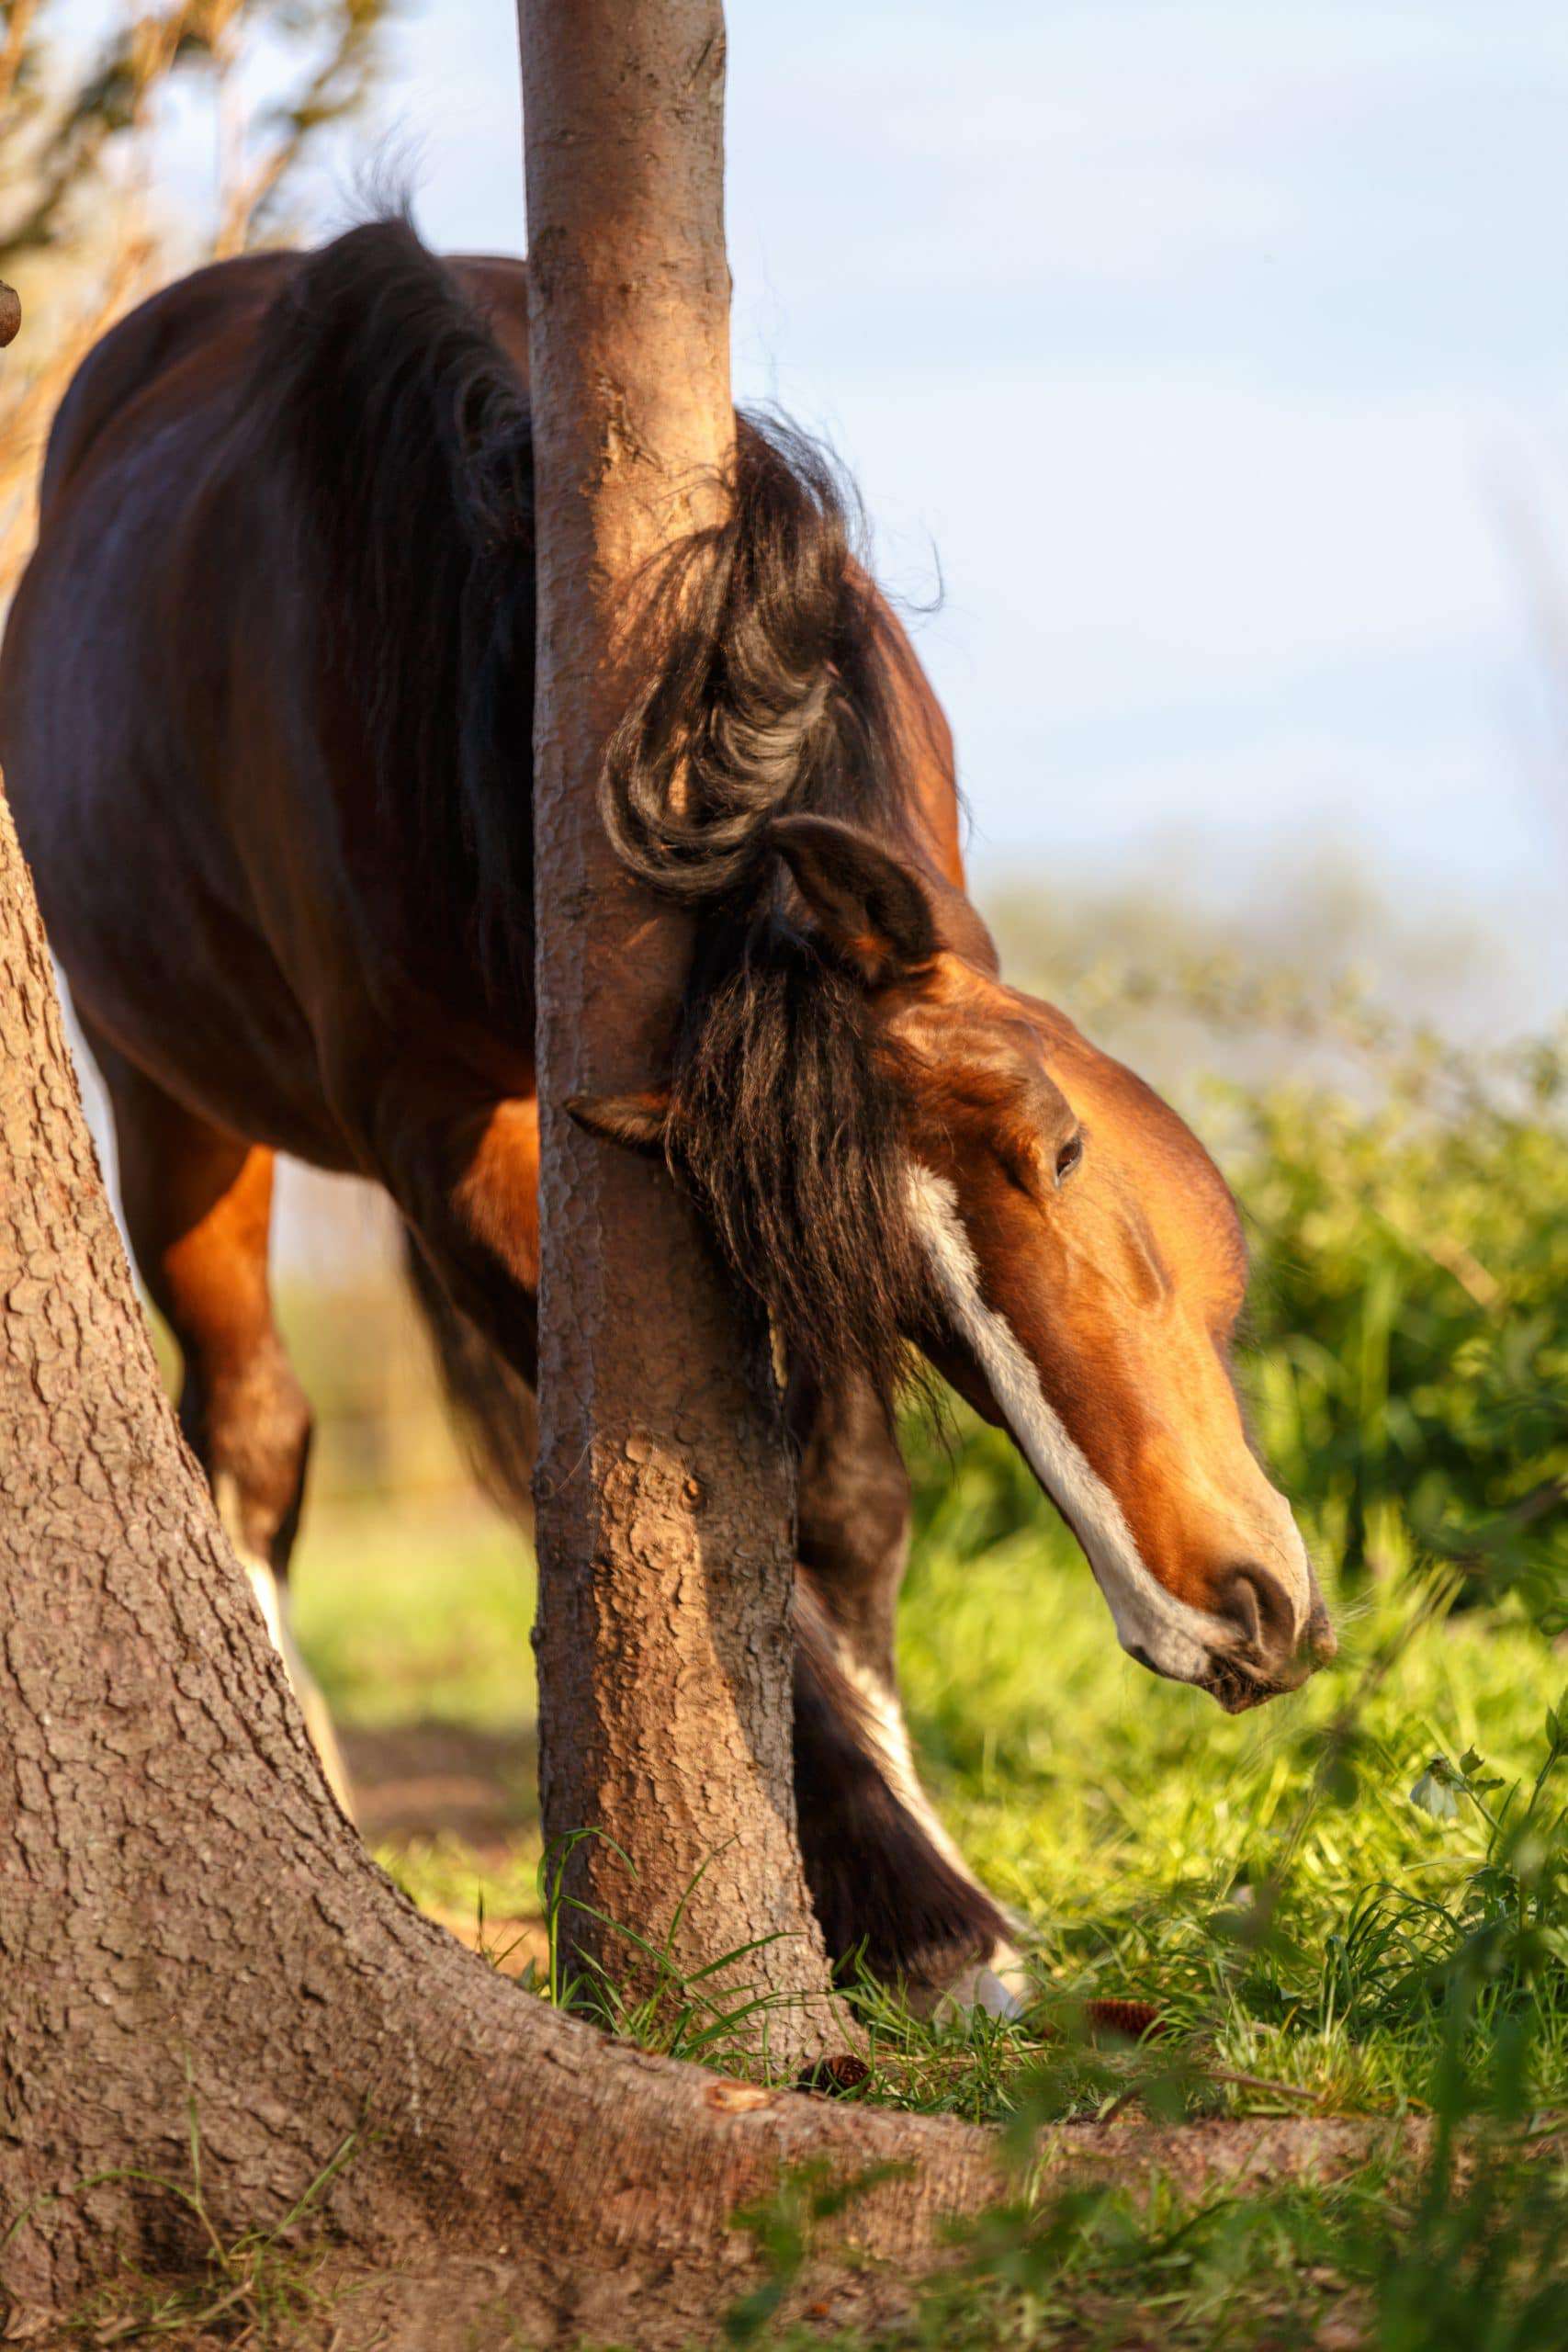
(1261, 1646)
(1272, 1655)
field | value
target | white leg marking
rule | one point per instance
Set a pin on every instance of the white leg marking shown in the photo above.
(273, 1601)
(273, 1604)
(999, 1985)
(1177, 1638)
(890, 1737)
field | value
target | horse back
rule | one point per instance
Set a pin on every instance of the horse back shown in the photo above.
(203, 325)
(207, 326)
(189, 762)
(271, 675)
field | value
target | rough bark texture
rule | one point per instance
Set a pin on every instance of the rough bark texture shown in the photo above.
(182, 1905)
(664, 1494)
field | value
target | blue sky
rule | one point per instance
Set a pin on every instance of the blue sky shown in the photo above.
(1222, 353)
(1213, 348)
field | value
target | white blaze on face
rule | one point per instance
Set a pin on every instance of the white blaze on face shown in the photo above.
(1176, 1639)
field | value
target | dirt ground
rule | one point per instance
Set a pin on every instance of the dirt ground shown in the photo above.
(413, 1782)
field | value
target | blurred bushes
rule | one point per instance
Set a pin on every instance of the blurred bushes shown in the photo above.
(1411, 1310)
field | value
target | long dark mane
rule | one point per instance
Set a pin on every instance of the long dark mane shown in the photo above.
(776, 682)
(407, 431)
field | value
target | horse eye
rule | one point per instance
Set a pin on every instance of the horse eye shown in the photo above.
(1069, 1158)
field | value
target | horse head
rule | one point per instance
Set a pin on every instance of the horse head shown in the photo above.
(1080, 1262)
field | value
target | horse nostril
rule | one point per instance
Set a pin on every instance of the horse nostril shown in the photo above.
(1322, 1639)
(1260, 1611)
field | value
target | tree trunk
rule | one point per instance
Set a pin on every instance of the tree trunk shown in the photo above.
(185, 1912)
(665, 1524)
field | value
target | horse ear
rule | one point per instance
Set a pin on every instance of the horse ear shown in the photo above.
(637, 1121)
(874, 909)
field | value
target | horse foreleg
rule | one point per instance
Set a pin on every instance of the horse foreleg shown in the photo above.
(884, 1872)
(197, 1206)
(465, 1172)
(463, 1166)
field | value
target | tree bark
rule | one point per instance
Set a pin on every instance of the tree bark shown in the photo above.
(665, 1507)
(185, 1912)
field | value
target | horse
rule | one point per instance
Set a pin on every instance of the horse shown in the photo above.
(266, 720)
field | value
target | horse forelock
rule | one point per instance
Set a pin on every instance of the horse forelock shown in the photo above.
(776, 682)
(790, 1132)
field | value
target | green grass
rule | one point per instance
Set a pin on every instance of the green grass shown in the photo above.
(1317, 1942)
(1122, 1817)
(1141, 1831)
(1427, 2262)
(418, 1608)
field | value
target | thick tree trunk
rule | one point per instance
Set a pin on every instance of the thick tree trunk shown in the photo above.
(185, 1911)
(665, 1504)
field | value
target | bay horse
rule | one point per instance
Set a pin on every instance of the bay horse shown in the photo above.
(265, 711)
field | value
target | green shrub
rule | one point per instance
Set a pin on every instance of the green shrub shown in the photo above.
(1411, 1312)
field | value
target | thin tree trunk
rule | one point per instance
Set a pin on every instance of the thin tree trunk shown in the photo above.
(665, 1498)
(185, 1913)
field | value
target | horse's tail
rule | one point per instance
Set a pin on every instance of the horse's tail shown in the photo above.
(776, 680)
(492, 1407)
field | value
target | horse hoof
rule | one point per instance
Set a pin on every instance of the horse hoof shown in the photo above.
(998, 1986)
(995, 1996)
